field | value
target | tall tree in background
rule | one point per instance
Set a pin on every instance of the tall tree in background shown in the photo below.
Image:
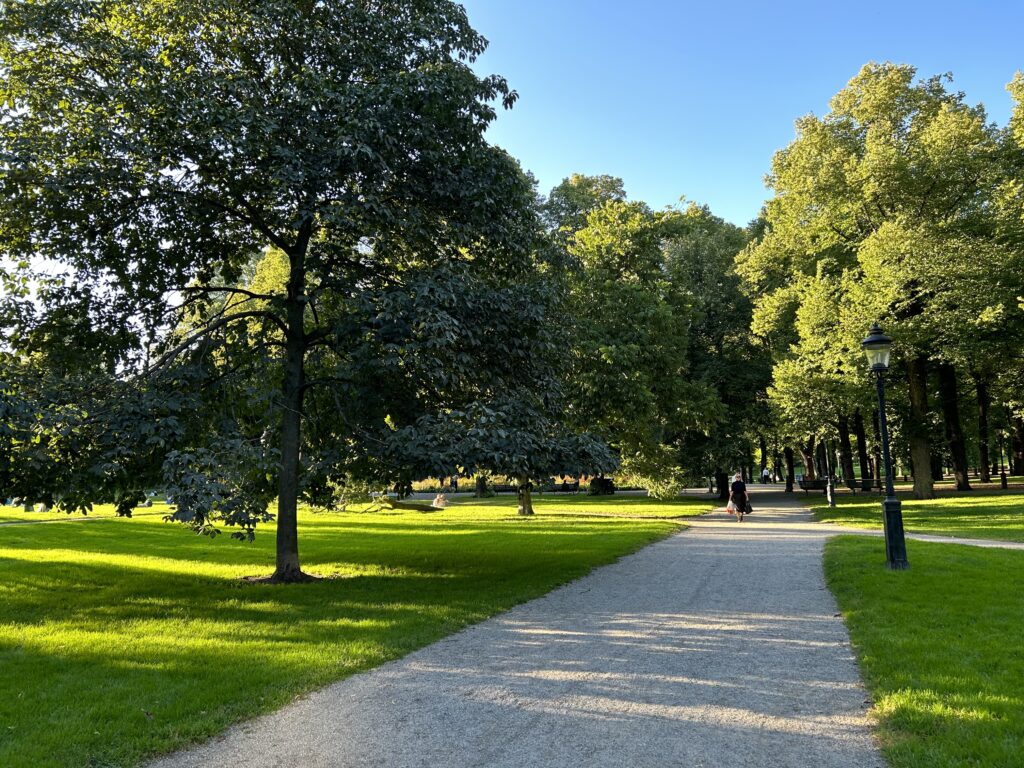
(728, 372)
(664, 365)
(567, 206)
(629, 336)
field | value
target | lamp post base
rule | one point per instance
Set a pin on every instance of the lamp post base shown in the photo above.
(895, 542)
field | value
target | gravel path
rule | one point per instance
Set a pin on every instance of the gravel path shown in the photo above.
(717, 647)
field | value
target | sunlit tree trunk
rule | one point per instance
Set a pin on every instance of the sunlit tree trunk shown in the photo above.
(949, 395)
(862, 445)
(525, 496)
(807, 453)
(846, 450)
(983, 403)
(1017, 441)
(920, 444)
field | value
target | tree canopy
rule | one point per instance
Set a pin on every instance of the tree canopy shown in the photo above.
(155, 152)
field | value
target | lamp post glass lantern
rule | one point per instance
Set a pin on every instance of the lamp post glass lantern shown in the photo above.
(877, 346)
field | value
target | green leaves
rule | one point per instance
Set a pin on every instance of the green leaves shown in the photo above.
(290, 206)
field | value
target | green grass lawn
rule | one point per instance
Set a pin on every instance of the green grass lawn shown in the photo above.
(122, 638)
(939, 648)
(973, 515)
(618, 506)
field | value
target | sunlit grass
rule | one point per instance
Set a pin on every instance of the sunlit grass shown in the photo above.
(939, 647)
(584, 504)
(121, 638)
(972, 515)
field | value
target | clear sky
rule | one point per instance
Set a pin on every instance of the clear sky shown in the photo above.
(693, 98)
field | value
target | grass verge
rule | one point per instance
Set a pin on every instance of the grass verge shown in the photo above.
(123, 638)
(602, 506)
(939, 648)
(977, 516)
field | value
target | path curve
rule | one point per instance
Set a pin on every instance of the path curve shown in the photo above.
(717, 647)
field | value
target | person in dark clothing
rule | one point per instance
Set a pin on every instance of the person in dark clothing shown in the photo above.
(738, 496)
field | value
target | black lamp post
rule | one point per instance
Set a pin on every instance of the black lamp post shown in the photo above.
(877, 346)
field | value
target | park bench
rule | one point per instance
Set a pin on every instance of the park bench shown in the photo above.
(817, 484)
(866, 485)
(562, 487)
(602, 486)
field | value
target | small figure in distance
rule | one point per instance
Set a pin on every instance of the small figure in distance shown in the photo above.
(440, 501)
(765, 476)
(738, 496)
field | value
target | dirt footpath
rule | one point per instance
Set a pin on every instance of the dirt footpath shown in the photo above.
(717, 647)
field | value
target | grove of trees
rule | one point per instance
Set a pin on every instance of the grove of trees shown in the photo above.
(903, 204)
(261, 254)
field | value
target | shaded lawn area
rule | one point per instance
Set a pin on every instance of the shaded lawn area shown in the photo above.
(603, 506)
(121, 638)
(939, 648)
(973, 515)
(18, 514)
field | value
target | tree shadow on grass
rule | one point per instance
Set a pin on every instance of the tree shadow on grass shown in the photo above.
(121, 642)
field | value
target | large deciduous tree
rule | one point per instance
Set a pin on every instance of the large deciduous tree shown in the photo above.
(153, 151)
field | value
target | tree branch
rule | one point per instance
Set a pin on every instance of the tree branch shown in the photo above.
(228, 289)
(225, 320)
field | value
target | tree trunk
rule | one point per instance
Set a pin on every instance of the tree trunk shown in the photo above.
(950, 398)
(525, 496)
(807, 454)
(920, 444)
(288, 569)
(764, 457)
(481, 486)
(983, 402)
(821, 458)
(1017, 441)
(846, 450)
(862, 446)
(788, 453)
(722, 481)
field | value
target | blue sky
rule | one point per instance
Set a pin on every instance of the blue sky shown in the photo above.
(693, 98)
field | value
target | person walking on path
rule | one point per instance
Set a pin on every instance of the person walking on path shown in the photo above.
(738, 496)
(765, 475)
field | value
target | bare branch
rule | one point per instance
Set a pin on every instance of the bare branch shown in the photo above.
(228, 289)
(202, 333)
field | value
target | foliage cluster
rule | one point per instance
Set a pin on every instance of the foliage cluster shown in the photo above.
(901, 205)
